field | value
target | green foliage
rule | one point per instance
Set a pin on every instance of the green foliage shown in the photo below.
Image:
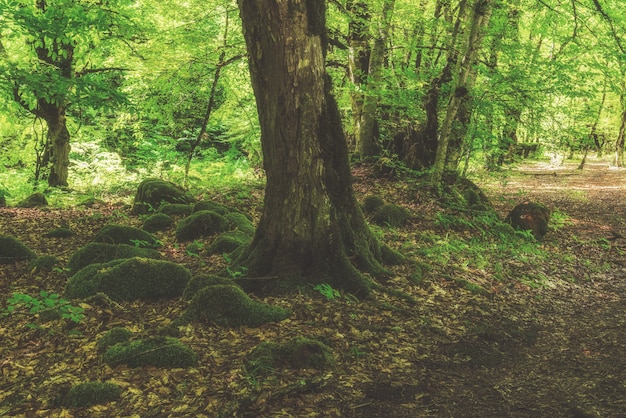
(130, 279)
(157, 352)
(327, 291)
(87, 394)
(47, 304)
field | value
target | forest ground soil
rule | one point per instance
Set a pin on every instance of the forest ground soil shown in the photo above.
(542, 340)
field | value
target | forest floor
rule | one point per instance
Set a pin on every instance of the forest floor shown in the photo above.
(541, 334)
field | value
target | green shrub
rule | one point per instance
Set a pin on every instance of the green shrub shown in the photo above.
(204, 280)
(299, 353)
(391, 215)
(99, 252)
(113, 336)
(130, 279)
(157, 222)
(12, 250)
(123, 234)
(92, 393)
(156, 352)
(201, 224)
(228, 305)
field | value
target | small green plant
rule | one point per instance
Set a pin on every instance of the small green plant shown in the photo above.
(559, 219)
(49, 304)
(139, 243)
(327, 291)
(234, 273)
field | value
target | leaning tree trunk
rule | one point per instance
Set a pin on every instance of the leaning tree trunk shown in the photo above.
(311, 227)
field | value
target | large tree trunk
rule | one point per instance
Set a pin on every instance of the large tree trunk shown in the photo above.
(58, 138)
(311, 228)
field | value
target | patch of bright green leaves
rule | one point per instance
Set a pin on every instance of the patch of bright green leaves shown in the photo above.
(48, 305)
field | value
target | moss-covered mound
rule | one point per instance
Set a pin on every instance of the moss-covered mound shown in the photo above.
(92, 393)
(151, 193)
(91, 202)
(201, 224)
(229, 242)
(371, 203)
(228, 305)
(157, 222)
(297, 353)
(391, 215)
(157, 352)
(12, 250)
(123, 234)
(99, 252)
(3, 200)
(241, 222)
(176, 209)
(204, 280)
(43, 263)
(61, 232)
(130, 279)
(210, 206)
(33, 201)
(530, 216)
(113, 336)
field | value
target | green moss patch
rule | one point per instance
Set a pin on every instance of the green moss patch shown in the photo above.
(297, 353)
(201, 224)
(113, 336)
(204, 280)
(371, 203)
(130, 279)
(229, 242)
(60, 233)
(123, 234)
(33, 201)
(175, 209)
(240, 222)
(158, 352)
(92, 393)
(99, 252)
(151, 193)
(13, 250)
(43, 263)
(157, 222)
(228, 305)
(210, 206)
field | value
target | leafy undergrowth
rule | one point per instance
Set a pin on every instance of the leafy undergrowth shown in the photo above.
(481, 323)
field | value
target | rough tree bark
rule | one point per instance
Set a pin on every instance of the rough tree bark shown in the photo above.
(312, 228)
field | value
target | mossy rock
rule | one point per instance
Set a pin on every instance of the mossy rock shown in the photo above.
(530, 216)
(229, 242)
(60, 232)
(43, 263)
(391, 215)
(176, 209)
(228, 305)
(203, 280)
(297, 353)
(201, 224)
(99, 252)
(157, 352)
(3, 200)
(87, 394)
(91, 202)
(113, 336)
(123, 234)
(241, 222)
(13, 250)
(35, 200)
(151, 193)
(157, 222)
(130, 279)
(371, 203)
(210, 206)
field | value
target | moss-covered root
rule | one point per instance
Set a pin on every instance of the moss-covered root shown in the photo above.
(91, 393)
(228, 305)
(298, 353)
(157, 352)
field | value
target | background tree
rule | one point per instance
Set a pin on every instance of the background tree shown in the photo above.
(65, 40)
(311, 226)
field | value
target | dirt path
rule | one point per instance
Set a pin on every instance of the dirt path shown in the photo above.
(569, 357)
